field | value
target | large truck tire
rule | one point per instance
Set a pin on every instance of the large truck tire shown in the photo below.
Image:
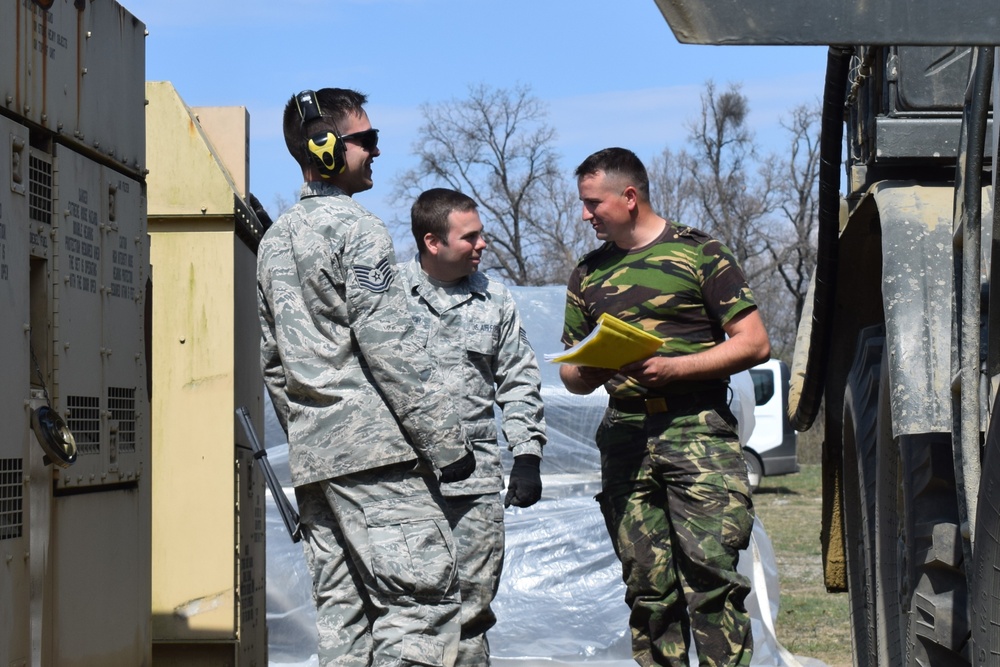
(861, 399)
(921, 594)
(921, 616)
(933, 573)
(903, 544)
(890, 627)
(986, 554)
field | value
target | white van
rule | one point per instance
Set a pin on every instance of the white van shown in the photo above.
(772, 447)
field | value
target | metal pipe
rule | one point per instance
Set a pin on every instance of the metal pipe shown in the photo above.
(968, 255)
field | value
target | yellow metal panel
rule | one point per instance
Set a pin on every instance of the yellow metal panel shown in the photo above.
(194, 574)
(186, 176)
(208, 510)
(228, 129)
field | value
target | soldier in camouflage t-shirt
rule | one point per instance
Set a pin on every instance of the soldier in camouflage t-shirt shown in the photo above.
(675, 495)
(369, 444)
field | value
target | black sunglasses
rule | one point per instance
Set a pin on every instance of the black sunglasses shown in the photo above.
(367, 139)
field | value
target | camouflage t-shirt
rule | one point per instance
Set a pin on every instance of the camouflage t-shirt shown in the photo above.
(682, 287)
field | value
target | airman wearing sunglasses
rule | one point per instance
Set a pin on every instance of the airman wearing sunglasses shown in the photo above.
(370, 442)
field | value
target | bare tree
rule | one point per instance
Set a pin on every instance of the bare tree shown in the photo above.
(763, 207)
(732, 189)
(280, 203)
(670, 188)
(496, 146)
(791, 243)
(794, 253)
(563, 237)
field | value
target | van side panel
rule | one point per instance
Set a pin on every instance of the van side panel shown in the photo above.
(774, 441)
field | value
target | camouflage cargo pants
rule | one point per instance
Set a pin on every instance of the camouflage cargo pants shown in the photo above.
(384, 568)
(477, 524)
(676, 501)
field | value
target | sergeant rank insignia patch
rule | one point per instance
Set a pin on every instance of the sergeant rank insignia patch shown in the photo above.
(374, 278)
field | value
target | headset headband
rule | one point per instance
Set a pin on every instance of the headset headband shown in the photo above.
(308, 106)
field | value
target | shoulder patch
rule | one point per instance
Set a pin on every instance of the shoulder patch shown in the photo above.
(374, 278)
(698, 236)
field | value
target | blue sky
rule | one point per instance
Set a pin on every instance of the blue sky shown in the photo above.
(611, 72)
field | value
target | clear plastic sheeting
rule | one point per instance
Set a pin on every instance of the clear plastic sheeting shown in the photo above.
(561, 598)
(561, 595)
(291, 613)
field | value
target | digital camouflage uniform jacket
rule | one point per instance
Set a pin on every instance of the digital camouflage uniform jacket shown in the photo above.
(338, 353)
(473, 334)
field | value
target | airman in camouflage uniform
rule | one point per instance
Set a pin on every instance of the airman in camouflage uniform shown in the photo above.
(470, 326)
(675, 495)
(367, 441)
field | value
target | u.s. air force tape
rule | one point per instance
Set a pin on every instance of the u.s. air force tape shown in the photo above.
(374, 278)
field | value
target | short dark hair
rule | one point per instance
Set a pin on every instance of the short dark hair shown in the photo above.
(334, 103)
(617, 163)
(429, 213)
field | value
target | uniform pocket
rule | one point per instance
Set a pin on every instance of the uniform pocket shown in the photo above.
(423, 650)
(481, 340)
(480, 349)
(612, 520)
(722, 421)
(412, 548)
(482, 437)
(737, 518)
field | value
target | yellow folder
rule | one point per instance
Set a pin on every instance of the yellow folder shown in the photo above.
(612, 344)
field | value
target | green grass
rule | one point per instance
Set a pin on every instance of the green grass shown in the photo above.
(811, 622)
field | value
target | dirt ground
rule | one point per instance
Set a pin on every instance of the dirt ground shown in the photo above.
(811, 622)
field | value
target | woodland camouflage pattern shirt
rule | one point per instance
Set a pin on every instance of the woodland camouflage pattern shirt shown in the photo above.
(338, 355)
(681, 287)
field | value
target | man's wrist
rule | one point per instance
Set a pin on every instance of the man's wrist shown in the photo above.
(528, 460)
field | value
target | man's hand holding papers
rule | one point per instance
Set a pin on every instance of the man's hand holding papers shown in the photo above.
(612, 344)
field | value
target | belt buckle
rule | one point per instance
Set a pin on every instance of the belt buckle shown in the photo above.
(656, 405)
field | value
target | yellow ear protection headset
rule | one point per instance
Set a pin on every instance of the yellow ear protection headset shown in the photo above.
(326, 148)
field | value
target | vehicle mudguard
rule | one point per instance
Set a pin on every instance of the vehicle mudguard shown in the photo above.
(917, 285)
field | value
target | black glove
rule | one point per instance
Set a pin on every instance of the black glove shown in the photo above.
(525, 485)
(458, 470)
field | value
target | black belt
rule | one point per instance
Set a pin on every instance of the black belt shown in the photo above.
(681, 402)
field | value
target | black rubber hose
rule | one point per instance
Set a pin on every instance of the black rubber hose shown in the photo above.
(830, 153)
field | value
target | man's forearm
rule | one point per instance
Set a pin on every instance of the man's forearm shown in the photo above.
(746, 346)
